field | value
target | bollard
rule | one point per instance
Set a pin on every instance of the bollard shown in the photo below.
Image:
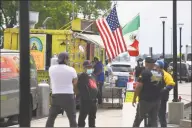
(43, 100)
(190, 116)
(175, 112)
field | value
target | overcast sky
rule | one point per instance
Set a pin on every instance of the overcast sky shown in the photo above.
(151, 25)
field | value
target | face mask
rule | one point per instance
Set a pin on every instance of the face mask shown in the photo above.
(140, 63)
(89, 71)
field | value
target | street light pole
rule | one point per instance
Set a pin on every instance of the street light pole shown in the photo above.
(163, 22)
(175, 51)
(24, 79)
(171, 42)
(180, 48)
(163, 39)
(45, 22)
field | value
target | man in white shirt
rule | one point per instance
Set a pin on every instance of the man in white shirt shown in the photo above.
(62, 78)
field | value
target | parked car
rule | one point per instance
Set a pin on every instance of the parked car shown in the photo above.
(185, 71)
(124, 74)
(9, 77)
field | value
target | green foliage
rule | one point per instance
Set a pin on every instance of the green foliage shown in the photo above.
(94, 8)
(59, 11)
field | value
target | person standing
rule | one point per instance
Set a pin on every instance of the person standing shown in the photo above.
(139, 68)
(63, 78)
(108, 72)
(88, 92)
(99, 73)
(168, 84)
(166, 65)
(149, 92)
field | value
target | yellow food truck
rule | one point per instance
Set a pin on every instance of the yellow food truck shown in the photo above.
(45, 43)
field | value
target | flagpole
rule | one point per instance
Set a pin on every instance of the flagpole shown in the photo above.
(93, 22)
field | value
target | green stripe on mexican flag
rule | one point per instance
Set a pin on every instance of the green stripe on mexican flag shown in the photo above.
(130, 33)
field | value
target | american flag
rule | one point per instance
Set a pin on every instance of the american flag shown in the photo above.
(111, 34)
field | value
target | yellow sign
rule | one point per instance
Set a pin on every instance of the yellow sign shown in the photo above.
(38, 50)
(43, 76)
(129, 97)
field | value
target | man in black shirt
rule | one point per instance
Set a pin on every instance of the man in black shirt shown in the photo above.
(149, 92)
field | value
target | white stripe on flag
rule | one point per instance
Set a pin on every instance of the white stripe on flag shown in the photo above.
(109, 54)
(108, 42)
(113, 41)
(112, 38)
(124, 46)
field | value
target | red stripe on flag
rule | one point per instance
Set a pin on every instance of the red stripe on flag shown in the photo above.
(116, 39)
(110, 36)
(106, 40)
(124, 44)
(119, 42)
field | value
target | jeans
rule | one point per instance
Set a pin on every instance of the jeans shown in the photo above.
(162, 113)
(65, 102)
(87, 108)
(99, 96)
(144, 108)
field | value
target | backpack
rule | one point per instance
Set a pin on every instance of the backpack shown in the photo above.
(92, 87)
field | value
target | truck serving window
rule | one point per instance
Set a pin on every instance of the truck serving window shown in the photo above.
(121, 68)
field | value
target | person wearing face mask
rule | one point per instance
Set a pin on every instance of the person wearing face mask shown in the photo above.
(63, 78)
(165, 63)
(100, 77)
(168, 84)
(148, 90)
(88, 91)
(139, 68)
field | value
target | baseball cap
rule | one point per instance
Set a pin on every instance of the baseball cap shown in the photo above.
(159, 63)
(140, 59)
(149, 60)
(63, 56)
(95, 58)
(87, 63)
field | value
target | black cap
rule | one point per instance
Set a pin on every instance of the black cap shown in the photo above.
(95, 58)
(87, 63)
(149, 60)
(63, 56)
(140, 59)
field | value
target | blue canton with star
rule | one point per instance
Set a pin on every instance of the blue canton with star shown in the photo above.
(112, 20)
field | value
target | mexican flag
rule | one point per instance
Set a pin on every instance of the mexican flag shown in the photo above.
(130, 33)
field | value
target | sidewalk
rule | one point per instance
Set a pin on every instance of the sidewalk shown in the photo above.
(116, 117)
(184, 90)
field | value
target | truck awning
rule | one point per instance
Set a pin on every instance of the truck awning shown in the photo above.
(93, 38)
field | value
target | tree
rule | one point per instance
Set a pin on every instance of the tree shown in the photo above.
(60, 11)
(8, 13)
(92, 9)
